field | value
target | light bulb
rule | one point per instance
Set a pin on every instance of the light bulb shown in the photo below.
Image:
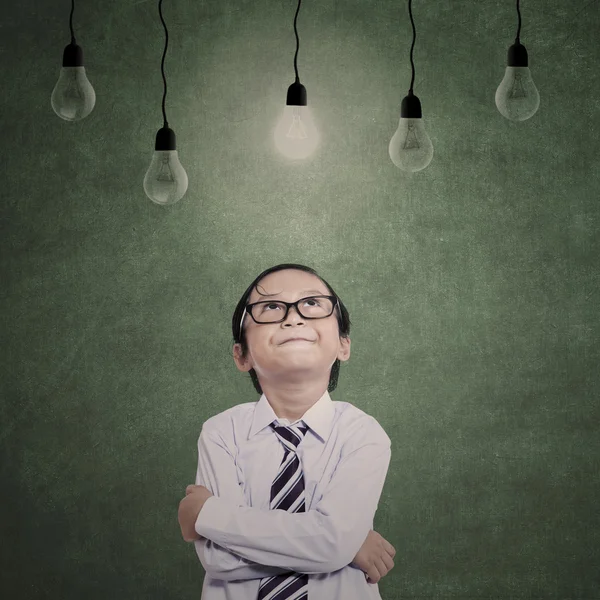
(166, 181)
(410, 147)
(295, 134)
(517, 98)
(73, 96)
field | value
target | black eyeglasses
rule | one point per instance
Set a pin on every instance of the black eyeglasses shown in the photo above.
(276, 311)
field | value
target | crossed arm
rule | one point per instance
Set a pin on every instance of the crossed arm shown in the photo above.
(244, 542)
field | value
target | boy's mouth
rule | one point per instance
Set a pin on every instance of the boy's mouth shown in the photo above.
(291, 340)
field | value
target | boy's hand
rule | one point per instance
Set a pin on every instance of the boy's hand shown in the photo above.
(189, 509)
(375, 557)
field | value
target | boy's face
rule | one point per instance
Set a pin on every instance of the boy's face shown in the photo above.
(268, 355)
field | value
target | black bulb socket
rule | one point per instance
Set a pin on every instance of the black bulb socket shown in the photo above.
(410, 107)
(517, 56)
(165, 139)
(296, 95)
(72, 56)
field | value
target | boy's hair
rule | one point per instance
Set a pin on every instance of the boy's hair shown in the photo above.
(343, 320)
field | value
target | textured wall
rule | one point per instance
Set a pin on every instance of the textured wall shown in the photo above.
(472, 285)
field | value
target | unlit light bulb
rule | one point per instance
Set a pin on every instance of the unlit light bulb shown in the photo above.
(73, 97)
(166, 181)
(410, 147)
(517, 98)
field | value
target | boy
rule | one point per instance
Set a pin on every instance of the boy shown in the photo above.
(287, 487)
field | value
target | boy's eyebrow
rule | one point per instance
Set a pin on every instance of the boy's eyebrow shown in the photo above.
(319, 293)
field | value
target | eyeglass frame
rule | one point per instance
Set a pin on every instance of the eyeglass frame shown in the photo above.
(288, 305)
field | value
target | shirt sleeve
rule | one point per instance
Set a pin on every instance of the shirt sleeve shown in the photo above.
(322, 540)
(217, 472)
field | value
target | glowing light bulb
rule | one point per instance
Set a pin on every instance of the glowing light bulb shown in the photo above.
(410, 147)
(166, 181)
(517, 98)
(296, 135)
(73, 97)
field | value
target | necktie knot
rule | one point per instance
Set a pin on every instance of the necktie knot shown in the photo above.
(290, 435)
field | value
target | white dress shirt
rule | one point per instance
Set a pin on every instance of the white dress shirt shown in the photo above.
(344, 455)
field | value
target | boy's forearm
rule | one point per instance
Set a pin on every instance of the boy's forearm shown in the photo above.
(223, 563)
(308, 542)
(220, 563)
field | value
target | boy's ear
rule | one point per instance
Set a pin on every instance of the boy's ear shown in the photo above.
(344, 353)
(243, 364)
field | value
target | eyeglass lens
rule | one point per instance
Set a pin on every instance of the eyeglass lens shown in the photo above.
(271, 311)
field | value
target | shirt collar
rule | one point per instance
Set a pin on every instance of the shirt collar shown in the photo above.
(319, 417)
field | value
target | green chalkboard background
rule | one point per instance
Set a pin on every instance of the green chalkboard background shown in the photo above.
(472, 285)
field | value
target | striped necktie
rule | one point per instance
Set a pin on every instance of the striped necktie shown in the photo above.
(287, 493)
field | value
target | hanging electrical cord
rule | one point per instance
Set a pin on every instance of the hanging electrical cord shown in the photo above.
(162, 63)
(71, 22)
(297, 41)
(166, 181)
(517, 97)
(73, 97)
(410, 148)
(517, 40)
(412, 47)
